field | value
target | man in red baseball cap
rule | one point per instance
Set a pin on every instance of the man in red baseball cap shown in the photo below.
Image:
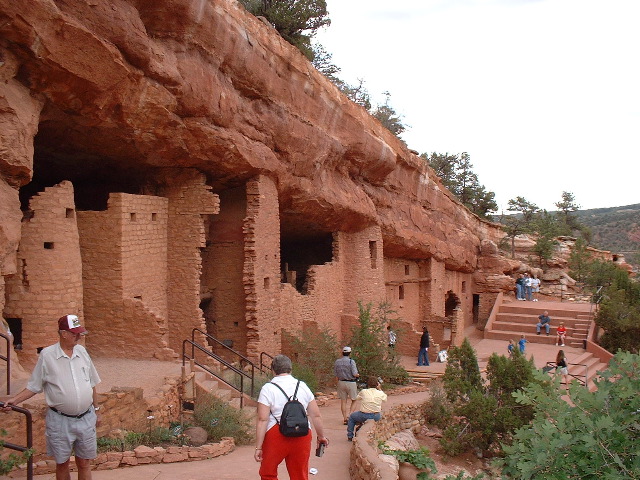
(69, 387)
(71, 323)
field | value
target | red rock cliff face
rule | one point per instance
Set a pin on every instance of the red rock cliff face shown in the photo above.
(204, 84)
(112, 90)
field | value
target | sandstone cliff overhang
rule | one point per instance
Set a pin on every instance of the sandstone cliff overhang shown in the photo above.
(129, 85)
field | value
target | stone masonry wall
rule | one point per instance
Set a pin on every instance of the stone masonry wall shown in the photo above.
(100, 241)
(125, 276)
(262, 267)
(222, 285)
(365, 463)
(48, 283)
(189, 199)
(363, 259)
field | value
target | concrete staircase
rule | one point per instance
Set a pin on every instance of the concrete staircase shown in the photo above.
(516, 318)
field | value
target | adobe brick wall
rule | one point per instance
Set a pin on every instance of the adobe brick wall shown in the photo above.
(189, 199)
(48, 283)
(262, 267)
(222, 269)
(124, 252)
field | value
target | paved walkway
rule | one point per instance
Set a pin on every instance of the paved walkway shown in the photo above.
(334, 465)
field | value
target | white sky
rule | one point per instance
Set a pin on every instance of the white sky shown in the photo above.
(544, 95)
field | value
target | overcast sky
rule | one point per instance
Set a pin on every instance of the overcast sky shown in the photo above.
(544, 95)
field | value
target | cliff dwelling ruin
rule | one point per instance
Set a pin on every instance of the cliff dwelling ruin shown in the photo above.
(172, 165)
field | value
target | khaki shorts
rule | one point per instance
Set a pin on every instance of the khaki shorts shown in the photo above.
(347, 390)
(65, 434)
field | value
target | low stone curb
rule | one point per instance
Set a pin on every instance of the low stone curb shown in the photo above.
(141, 455)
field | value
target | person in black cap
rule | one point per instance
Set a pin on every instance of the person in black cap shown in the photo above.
(68, 378)
(346, 372)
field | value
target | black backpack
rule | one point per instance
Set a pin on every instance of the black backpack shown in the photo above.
(293, 421)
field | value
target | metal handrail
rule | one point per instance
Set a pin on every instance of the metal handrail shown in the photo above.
(8, 360)
(20, 448)
(243, 361)
(263, 366)
(579, 378)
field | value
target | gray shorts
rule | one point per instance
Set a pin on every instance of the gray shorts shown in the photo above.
(347, 390)
(65, 434)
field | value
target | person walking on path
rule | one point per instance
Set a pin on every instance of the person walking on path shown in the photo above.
(392, 337)
(510, 347)
(562, 333)
(272, 447)
(67, 376)
(562, 368)
(545, 320)
(522, 343)
(423, 353)
(371, 399)
(346, 372)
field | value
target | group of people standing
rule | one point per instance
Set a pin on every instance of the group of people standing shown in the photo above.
(527, 287)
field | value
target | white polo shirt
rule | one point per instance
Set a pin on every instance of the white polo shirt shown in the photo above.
(271, 396)
(67, 382)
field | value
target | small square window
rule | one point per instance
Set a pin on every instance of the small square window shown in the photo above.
(48, 245)
(406, 270)
(132, 217)
(70, 213)
(154, 217)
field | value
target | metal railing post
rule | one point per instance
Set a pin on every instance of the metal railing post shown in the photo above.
(29, 432)
(8, 360)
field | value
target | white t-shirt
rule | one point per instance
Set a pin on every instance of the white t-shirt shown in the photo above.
(272, 397)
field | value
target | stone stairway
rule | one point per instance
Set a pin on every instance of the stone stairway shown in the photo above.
(516, 318)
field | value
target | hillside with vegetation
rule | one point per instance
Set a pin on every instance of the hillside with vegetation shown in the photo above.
(616, 229)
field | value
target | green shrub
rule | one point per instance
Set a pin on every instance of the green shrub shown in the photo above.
(594, 435)
(154, 437)
(313, 354)
(369, 343)
(220, 419)
(7, 463)
(438, 410)
(420, 458)
(462, 374)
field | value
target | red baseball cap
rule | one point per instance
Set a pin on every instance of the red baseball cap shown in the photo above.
(71, 323)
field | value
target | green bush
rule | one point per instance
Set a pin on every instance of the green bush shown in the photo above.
(154, 437)
(462, 374)
(420, 458)
(594, 435)
(313, 354)
(8, 462)
(220, 419)
(369, 343)
(438, 410)
(485, 416)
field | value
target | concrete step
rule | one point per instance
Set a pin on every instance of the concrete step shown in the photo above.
(507, 335)
(531, 327)
(527, 319)
(532, 308)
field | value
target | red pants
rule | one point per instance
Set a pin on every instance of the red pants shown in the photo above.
(294, 450)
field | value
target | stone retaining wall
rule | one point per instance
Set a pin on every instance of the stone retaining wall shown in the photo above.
(365, 463)
(142, 455)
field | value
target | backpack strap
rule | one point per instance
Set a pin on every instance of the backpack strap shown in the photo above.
(293, 397)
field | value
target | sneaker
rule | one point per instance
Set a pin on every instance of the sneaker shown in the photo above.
(349, 439)
(562, 345)
(537, 333)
